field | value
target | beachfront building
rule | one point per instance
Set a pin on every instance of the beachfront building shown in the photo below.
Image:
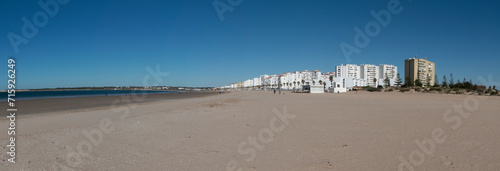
(370, 73)
(349, 76)
(348, 70)
(248, 83)
(256, 83)
(348, 83)
(388, 71)
(420, 69)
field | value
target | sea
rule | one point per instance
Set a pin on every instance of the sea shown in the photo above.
(27, 95)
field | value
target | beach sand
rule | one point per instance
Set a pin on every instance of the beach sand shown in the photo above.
(349, 131)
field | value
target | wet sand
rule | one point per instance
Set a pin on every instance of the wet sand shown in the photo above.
(40, 106)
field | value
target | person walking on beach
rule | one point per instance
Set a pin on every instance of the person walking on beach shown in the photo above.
(280, 90)
(274, 91)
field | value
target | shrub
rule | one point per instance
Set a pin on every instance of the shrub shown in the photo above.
(402, 90)
(417, 89)
(374, 89)
(435, 89)
(494, 93)
(390, 90)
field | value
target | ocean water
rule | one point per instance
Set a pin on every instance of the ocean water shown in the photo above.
(25, 95)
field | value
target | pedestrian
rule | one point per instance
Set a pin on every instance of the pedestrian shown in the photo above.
(274, 91)
(280, 90)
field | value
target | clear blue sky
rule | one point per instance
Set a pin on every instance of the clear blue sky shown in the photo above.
(110, 43)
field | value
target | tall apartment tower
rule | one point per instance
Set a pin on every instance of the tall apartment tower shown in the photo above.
(370, 72)
(421, 69)
(348, 70)
(389, 71)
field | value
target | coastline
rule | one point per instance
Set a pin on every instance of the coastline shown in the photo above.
(69, 104)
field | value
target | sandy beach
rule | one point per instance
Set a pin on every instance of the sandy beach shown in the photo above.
(259, 130)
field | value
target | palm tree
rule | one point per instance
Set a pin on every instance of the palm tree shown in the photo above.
(294, 84)
(314, 82)
(320, 82)
(303, 81)
(331, 80)
(324, 85)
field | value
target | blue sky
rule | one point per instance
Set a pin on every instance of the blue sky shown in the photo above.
(110, 43)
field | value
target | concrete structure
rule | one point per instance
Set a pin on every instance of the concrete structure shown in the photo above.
(338, 86)
(348, 75)
(389, 71)
(316, 89)
(421, 69)
(348, 70)
(370, 73)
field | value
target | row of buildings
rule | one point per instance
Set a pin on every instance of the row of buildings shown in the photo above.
(346, 76)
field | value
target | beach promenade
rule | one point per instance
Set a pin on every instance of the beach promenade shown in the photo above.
(259, 130)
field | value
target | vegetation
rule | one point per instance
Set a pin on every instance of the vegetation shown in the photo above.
(331, 80)
(371, 89)
(418, 83)
(436, 81)
(445, 84)
(451, 81)
(460, 87)
(404, 90)
(398, 81)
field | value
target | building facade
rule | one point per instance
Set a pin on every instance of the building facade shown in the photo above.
(420, 69)
(370, 73)
(348, 70)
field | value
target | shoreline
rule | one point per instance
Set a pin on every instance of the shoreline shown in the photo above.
(70, 104)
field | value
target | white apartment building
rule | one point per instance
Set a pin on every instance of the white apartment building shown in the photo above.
(370, 72)
(348, 70)
(390, 71)
(256, 82)
(348, 75)
(248, 83)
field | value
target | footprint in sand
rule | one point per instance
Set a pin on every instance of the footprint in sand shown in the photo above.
(447, 161)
